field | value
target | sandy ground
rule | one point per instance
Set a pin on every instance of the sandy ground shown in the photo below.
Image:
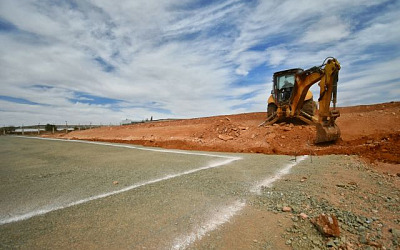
(370, 131)
(365, 202)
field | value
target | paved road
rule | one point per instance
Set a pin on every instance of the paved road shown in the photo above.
(62, 194)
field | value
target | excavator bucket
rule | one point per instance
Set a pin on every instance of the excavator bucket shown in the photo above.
(327, 133)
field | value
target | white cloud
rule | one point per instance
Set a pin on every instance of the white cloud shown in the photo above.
(326, 30)
(168, 56)
(249, 60)
(277, 55)
(241, 71)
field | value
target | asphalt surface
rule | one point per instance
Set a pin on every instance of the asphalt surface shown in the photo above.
(66, 194)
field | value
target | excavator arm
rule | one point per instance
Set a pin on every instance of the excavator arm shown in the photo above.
(304, 81)
(327, 130)
(327, 75)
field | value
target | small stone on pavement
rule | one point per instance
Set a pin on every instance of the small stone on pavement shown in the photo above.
(286, 209)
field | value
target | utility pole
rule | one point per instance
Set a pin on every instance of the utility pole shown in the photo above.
(22, 129)
(66, 127)
(38, 129)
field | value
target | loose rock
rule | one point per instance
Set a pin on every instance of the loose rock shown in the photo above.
(327, 224)
(303, 216)
(286, 209)
(330, 243)
(225, 137)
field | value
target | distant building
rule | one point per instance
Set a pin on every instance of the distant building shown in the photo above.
(126, 122)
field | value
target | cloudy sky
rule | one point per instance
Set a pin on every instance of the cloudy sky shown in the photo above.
(102, 61)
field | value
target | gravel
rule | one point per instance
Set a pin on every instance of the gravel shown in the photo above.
(365, 202)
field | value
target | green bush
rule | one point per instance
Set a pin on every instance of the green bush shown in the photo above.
(49, 127)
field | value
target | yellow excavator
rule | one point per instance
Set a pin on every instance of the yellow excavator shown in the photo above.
(291, 98)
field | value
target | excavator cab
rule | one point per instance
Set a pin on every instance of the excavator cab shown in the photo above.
(283, 92)
(284, 84)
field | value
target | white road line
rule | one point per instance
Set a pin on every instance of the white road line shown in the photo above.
(134, 147)
(46, 210)
(221, 217)
(226, 213)
(285, 170)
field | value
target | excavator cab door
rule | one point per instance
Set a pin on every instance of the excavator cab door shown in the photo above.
(284, 82)
(283, 88)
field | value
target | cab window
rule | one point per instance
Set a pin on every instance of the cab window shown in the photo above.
(286, 81)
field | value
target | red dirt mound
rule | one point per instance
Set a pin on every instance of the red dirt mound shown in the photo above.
(371, 131)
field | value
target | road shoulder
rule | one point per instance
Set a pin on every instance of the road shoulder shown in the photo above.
(364, 201)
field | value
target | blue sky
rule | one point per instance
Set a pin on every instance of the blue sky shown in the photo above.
(102, 61)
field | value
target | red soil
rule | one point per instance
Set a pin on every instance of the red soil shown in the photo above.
(371, 131)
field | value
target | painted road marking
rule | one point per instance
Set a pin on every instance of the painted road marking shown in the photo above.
(226, 213)
(223, 215)
(284, 171)
(226, 160)
(135, 147)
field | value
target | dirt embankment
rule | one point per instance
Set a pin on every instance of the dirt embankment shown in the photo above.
(371, 131)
